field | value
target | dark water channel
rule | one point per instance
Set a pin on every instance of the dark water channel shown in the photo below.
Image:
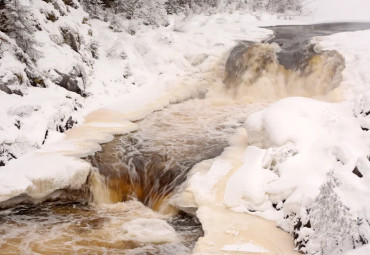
(294, 38)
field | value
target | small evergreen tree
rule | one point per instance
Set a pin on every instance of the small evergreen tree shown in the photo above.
(332, 228)
(93, 7)
(177, 6)
(151, 12)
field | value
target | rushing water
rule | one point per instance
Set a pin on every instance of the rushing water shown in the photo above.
(135, 175)
(127, 208)
(287, 64)
(76, 228)
(150, 163)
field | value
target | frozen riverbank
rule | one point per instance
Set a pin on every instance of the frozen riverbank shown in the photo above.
(292, 145)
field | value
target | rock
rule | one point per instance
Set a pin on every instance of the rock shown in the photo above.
(357, 172)
(71, 38)
(5, 89)
(51, 16)
(5, 154)
(251, 58)
(71, 80)
(64, 127)
(70, 3)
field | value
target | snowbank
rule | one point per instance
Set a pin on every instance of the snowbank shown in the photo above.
(40, 174)
(307, 164)
(301, 154)
(57, 164)
(227, 231)
(133, 76)
(337, 10)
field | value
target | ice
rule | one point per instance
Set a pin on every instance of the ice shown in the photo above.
(251, 192)
(40, 174)
(281, 158)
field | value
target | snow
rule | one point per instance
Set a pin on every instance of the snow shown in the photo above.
(205, 191)
(297, 144)
(204, 183)
(337, 10)
(276, 167)
(251, 192)
(294, 148)
(121, 81)
(323, 134)
(354, 47)
(41, 174)
(364, 250)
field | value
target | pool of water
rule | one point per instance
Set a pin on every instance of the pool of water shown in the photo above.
(129, 209)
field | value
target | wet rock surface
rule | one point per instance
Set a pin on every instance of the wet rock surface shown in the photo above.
(293, 39)
(249, 61)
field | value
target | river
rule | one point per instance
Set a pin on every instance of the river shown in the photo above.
(126, 207)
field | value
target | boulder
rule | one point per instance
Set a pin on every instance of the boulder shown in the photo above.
(73, 81)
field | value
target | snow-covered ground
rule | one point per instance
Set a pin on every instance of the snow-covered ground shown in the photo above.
(293, 163)
(164, 64)
(337, 10)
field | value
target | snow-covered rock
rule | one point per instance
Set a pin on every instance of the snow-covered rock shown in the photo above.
(302, 155)
(307, 163)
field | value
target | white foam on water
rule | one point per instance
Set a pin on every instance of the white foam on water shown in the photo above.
(149, 231)
(245, 247)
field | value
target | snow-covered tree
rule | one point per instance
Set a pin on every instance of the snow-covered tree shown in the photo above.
(125, 6)
(177, 6)
(151, 12)
(18, 23)
(327, 226)
(281, 6)
(93, 7)
(155, 12)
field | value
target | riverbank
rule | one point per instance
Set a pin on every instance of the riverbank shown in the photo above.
(186, 60)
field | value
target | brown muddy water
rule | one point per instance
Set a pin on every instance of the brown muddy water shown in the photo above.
(135, 175)
(126, 208)
(288, 62)
(150, 163)
(78, 228)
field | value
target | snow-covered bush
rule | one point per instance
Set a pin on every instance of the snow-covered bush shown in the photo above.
(94, 7)
(18, 22)
(155, 12)
(17, 70)
(53, 44)
(151, 12)
(46, 49)
(326, 226)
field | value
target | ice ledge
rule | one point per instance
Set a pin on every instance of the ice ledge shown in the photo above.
(58, 166)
